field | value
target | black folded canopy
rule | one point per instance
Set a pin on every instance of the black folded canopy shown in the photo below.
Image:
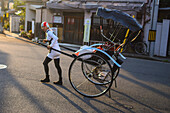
(119, 16)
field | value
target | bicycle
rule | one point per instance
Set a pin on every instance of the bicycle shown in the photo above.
(138, 47)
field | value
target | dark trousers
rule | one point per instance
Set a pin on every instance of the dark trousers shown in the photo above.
(57, 65)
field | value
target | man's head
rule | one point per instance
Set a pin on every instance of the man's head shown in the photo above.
(44, 26)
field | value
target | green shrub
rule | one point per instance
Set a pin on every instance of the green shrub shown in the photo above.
(21, 27)
(6, 25)
(30, 31)
(23, 33)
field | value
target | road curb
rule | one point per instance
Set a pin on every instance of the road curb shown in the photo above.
(146, 57)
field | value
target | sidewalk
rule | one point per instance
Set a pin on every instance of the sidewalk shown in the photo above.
(76, 47)
(155, 58)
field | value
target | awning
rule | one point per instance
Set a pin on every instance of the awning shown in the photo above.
(93, 5)
(34, 7)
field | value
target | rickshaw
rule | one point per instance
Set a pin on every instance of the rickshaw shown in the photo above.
(96, 67)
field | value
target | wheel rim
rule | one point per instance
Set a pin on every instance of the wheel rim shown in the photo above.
(140, 48)
(87, 81)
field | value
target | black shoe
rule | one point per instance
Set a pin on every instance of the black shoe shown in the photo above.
(46, 80)
(58, 83)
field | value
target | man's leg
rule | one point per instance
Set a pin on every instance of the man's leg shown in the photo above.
(46, 68)
(57, 65)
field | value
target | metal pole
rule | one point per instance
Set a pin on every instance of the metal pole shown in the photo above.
(1, 17)
(154, 18)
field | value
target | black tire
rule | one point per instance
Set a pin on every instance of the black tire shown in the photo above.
(140, 48)
(83, 83)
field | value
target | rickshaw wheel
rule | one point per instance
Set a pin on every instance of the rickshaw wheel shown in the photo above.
(90, 75)
(84, 65)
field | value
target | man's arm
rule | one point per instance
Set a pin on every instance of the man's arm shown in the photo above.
(45, 40)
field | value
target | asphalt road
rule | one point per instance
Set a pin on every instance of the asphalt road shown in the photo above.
(143, 85)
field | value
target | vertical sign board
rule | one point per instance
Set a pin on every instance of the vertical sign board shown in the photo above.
(152, 35)
(32, 27)
(87, 30)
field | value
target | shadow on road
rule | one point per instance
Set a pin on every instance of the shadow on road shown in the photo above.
(146, 86)
(131, 98)
(148, 71)
(8, 81)
(88, 100)
(85, 100)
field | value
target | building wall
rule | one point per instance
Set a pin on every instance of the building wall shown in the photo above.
(31, 10)
(158, 39)
(42, 15)
(29, 16)
(162, 34)
(14, 23)
(38, 16)
(164, 38)
(47, 16)
(38, 32)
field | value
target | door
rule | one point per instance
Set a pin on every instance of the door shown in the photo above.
(73, 29)
(169, 43)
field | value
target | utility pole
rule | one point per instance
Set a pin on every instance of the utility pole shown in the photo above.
(152, 32)
(1, 16)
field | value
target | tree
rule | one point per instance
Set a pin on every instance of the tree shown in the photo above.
(18, 3)
(19, 6)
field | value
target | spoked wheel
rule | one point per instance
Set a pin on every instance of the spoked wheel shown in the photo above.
(104, 76)
(140, 48)
(90, 75)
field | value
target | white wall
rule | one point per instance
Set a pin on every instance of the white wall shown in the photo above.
(38, 16)
(14, 23)
(47, 15)
(161, 41)
(164, 38)
(30, 14)
(158, 39)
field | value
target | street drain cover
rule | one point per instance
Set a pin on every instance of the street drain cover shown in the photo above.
(2, 66)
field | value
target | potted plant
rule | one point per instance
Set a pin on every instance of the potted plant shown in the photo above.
(30, 35)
